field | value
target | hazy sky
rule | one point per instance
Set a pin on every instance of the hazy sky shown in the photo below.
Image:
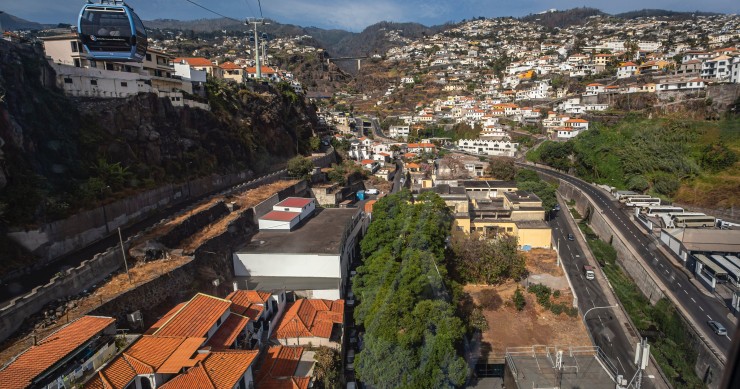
(351, 15)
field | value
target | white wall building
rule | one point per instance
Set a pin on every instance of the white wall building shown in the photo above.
(502, 148)
(399, 131)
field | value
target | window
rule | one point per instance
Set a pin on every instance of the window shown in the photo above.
(77, 62)
(218, 322)
(93, 82)
(148, 57)
(67, 80)
(75, 48)
(93, 64)
(124, 83)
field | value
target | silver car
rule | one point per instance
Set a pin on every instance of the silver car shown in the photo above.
(718, 328)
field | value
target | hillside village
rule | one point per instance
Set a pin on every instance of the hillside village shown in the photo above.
(279, 308)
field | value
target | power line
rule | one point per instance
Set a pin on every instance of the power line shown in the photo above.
(260, 3)
(249, 7)
(212, 11)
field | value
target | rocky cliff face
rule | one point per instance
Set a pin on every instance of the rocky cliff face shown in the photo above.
(59, 155)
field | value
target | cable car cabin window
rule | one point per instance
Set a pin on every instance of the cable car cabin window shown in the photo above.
(110, 23)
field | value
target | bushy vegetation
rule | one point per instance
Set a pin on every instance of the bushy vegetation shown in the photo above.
(490, 261)
(654, 155)
(544, 294)
(412, 334)
(518, 299)
(300, 166)
(328, 368)
(665, 328)
(528, 180)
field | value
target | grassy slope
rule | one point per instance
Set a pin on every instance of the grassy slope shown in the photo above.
(660, 148)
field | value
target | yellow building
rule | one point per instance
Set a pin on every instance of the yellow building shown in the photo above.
(487, 209)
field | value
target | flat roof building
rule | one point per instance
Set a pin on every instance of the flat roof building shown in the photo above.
(312, 260)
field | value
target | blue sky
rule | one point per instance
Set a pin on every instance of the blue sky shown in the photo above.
(353, 15)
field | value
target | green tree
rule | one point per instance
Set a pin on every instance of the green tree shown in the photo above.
(300, 166)
(315, 143)
(518, 299)
(502, 168)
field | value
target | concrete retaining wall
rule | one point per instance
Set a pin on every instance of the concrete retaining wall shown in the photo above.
(193, 223)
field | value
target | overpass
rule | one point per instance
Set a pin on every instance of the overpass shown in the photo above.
(358, 59)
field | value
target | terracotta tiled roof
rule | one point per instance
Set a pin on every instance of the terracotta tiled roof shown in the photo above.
(51, 350)
(196, 317)
(248, 302)
(164, 319)
(148, 355)
(265, 70)
(229, 66)
(576, 121)
(194, 378)
(310, 318)
(225, 368)
(227, 333)
(278, 367)
(195, 61)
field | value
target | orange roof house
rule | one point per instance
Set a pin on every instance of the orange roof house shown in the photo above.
(278, 370)
(311, 321)
(195, 317)
(48, 354)
(195, 61)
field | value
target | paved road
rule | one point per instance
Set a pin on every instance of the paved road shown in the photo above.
(699, 305)
(603, 324)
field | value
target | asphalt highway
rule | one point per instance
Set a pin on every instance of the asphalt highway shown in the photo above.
(602, 323)
(701, 305)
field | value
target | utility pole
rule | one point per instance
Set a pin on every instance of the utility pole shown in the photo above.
(123, 252)
(255, 22)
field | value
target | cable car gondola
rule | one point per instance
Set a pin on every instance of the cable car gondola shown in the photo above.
(110, 30)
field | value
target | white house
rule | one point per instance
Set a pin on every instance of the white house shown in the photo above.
(627, 69)
(286, 214)
(399, 131)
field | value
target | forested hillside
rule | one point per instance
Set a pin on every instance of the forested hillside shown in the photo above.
(691, 161)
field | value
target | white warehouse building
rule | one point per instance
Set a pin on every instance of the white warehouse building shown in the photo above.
(501, 148)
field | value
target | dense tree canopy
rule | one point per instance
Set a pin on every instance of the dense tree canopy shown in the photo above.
(412, 334)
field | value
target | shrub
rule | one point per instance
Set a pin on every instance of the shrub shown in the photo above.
(542, 292)
(478, 320)
(571, 311)
(556, 294)
(518, 299)
(489, 299)
(557, 308)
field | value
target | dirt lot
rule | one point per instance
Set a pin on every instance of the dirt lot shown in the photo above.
(534, 325)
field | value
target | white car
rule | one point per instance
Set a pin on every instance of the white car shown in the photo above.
(372, 191)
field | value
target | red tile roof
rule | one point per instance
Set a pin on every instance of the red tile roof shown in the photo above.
(226, 334)
(265, 70)
(249, 303)
(194, 378)
(367, 162)
(226, 368)
(164, 319)
(195, 61)
(310, 318)
(196, 317)
(148, 355)
(280, 216)
(278, 367)
(229, 66)
(294, 202)
(34, 361)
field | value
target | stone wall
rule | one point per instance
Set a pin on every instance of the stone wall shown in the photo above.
(193, 223)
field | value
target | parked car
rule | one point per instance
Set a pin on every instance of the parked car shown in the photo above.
(350, 299)
(570, 237)
(372, 191)
(718, 328)
(351, 360)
